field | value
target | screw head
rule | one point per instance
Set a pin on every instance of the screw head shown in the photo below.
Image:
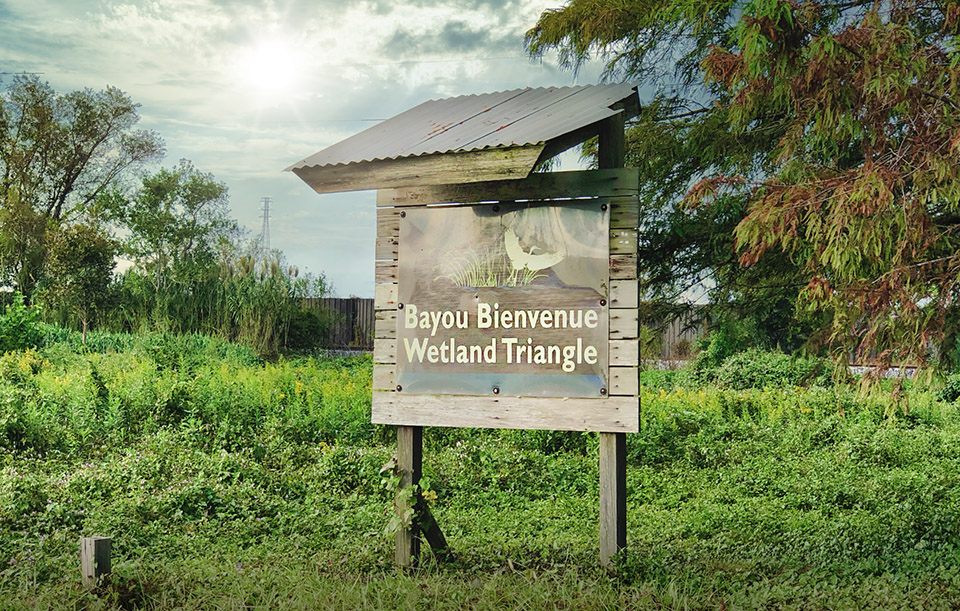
(400, 306)
(399, 388)
(403, 214)
(603, 391)
(496, 208)
(603, 302)
(603, 206)
(496, 390)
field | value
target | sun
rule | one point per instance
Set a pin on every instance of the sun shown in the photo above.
(270, 70)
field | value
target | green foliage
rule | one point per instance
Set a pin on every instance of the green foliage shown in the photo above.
(58, 153)
(270, 475)
(20, 326)
(79, 270)
(951, 389)
(761, 369)
(815, 140)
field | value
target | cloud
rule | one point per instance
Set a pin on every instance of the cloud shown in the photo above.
(370, 59)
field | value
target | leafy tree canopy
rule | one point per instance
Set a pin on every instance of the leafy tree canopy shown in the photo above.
(176, 220)
(824, 134)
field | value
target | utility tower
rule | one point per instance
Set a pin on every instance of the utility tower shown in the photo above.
(265, 226)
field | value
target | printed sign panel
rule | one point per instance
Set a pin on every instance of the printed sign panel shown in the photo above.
(504, 299)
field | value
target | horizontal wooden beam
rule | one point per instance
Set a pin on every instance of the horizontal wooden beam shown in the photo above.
(624, 381)
(623, 267)
(385, 326)
(610, 414)
(386, 271)
(438, 169)
(624, 294)
(388, 222)
(624, 324)
(385, 296)
(384, 377)
(384, 351)
(623, 353)
(548, 185)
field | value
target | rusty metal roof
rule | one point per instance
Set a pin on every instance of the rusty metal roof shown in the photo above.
(474, 122)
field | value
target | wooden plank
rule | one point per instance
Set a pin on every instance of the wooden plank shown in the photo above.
(623, 352)
(624, 324)
(94, 559)
(611, 142)
(468, 167)
(624, 293)
(623, 267)
(624, 213)
(611, 149)
(388, 222)
(387, 248)
(384, 351)
(613, 495)
(624, 381)
(544, 413)
(385, 326)
(384, 377)
(623, 241)
(385, 296)
(549, 185)
(410, 468)
(386, 271)
(430, 531)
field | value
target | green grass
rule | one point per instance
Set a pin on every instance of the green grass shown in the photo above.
(228, 482)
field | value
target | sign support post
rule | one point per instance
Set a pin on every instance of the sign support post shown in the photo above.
(611, 151)
(410, 468)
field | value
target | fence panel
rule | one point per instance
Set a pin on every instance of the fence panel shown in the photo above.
(354, 325)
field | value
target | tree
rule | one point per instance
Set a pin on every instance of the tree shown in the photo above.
(79, 271)
(176, 221)
(58, 152)
(832, 125)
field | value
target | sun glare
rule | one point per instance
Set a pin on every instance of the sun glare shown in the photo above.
(270, 70)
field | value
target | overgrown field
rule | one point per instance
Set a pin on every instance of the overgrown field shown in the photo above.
(229, 482)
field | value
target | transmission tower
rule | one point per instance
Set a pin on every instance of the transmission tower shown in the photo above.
(265, 227)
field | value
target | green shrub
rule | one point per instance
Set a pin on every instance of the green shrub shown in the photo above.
(759, 369)
(20, 327)
(951, 389)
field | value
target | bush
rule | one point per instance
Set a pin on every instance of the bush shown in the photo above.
(951, 389)
(760, 369)
(20, 327)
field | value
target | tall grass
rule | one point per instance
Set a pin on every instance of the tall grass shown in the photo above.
(229, 482)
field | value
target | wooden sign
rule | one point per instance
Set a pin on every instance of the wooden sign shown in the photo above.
(507, 300)
(479, 300)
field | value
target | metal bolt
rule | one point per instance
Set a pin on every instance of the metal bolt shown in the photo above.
(603, 302)
(603, 206)
(400, 306)
(603, 391)
(496, 390)
(403, 214)
(399, 388)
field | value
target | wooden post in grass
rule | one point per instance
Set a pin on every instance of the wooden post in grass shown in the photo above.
(611, 150)
(94, 559)
(410, 468)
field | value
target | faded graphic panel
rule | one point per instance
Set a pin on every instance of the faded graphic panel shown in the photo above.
(504, 299)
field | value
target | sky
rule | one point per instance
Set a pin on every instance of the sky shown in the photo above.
(245, 88)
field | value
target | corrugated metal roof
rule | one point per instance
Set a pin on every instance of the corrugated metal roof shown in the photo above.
(474, 122)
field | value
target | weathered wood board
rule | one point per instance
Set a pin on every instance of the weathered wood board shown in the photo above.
(616, 411)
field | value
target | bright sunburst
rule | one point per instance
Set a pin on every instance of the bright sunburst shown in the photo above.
(270, 70)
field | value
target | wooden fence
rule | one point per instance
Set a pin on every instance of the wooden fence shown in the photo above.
(353, 328)
(681, 334)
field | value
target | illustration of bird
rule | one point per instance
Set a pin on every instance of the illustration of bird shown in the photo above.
(521, 259)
